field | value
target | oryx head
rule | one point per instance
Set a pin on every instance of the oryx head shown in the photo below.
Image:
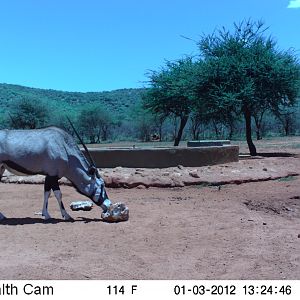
(96, 186)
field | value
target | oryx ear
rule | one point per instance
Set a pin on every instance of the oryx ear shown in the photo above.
(93, 171)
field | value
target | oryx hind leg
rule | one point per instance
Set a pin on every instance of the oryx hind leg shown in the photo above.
(2, 169)
(51, 183)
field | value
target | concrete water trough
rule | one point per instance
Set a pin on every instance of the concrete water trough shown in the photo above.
(207, 143)
(163, 157)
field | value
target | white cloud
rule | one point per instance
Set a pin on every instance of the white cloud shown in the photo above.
(294, 4)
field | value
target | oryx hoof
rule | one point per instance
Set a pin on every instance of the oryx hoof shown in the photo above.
(47, 217)
(68, 218)
(2, 217)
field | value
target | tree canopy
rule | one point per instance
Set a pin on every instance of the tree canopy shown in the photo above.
(28, 113)
(247, 74)
(172, 92)
(239, 73)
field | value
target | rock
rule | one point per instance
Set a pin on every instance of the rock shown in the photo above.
(118, 169)
(141, 187)
(194, 173)
(235, 173)
(176, 174)
(117, 212)
(138, 173)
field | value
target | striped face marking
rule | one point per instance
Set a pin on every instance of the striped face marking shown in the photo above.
(99, 191)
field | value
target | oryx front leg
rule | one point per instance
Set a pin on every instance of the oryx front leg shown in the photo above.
(51, 183)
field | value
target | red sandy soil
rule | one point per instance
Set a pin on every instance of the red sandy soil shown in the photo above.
(249, 230)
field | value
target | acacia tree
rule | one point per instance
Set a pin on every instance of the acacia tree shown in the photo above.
(94, 122)
(28, 113)
(286, 117)
(246, 74)
(143, 124)
(171, 92)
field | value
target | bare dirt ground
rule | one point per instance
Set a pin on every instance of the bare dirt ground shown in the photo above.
(232, 229)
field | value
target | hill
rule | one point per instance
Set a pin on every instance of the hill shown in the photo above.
(118, 102)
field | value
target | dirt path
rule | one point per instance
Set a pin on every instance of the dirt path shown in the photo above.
(246, 231)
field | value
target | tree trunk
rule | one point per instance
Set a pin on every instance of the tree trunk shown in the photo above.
(217, 132)
(195, 127)
(258, 136)
(231, 130)
(251, 146)
(287, 127)
(183, 121)
(258, 123)
(175, 127)
(160, 132)
(197, 134)
(104, 133)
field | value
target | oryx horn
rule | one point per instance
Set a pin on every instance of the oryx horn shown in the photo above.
(82, 143)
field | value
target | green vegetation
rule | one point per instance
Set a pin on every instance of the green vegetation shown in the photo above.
(238, 75)
(118, 102)
(239, 86)
(172, 93)
(97, 115)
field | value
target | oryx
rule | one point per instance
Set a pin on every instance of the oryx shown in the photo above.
(54, 153)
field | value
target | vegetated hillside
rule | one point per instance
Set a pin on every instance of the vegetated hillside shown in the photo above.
(118, 102)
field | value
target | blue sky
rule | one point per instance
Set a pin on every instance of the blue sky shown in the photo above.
(90, 45)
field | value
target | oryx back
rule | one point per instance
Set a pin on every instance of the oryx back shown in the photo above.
(46, 151)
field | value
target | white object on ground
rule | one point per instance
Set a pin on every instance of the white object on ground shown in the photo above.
(81, 205)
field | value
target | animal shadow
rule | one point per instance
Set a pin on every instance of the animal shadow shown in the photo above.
(31, 221)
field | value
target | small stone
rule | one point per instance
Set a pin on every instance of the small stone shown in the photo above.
(194, 173)
(265, 169)
(299, 236)
(264, 223)
(177, 174)
(141, 187)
